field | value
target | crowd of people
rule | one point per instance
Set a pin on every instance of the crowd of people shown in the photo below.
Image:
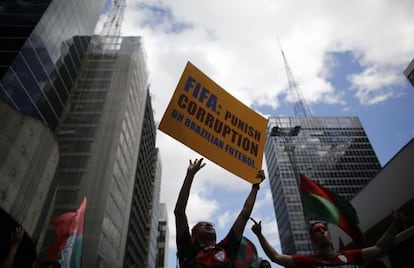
(198, 247)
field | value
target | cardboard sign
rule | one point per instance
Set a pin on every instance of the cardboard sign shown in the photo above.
(206, 118)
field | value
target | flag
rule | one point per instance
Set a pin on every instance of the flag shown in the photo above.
(247, 255)
(322, 204)
(69, 235)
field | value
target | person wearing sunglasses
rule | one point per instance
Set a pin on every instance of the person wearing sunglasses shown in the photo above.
(200, 247)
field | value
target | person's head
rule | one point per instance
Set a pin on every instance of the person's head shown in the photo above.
(204, 232)
(319, 234)
(264, 264)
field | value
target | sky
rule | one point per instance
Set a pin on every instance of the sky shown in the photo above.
(347, 58)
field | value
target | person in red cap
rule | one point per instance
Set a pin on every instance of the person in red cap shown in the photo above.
(200, 248)
(325, 253)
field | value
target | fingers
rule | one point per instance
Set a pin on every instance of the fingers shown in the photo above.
(255, 222)
(17, 235)
(195, 165)
(260, 175)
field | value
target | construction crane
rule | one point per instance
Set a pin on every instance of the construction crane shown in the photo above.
(300, 108)
(113, 24)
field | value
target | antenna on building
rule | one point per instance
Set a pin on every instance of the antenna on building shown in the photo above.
(113, 24)
(300, 108)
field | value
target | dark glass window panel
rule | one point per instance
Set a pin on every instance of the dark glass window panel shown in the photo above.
(59, 86)
(13, 44)
(69, 161)
(19, 19)
(31, 86)
(33, 61)
(65, 76)
(15, 30)
(70, 178)
(6, 57)
(75, 146)
(71, 67)
(15, 91)
(23, 8)
(75, 56)
(81, 43)
(42, 53)
(53, 98)
(82, 119)
(66, 196)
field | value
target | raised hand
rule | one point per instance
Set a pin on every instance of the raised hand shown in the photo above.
(17, 235)
(257, 226)
(195, 166)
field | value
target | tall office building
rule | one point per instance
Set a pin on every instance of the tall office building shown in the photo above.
(108, 154)
(409, 72)
(142, 230)
(333, 151)
(162, 240)
(39, 56)
(39, 59)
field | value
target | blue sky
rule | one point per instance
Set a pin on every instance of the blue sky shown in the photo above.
(347, 57)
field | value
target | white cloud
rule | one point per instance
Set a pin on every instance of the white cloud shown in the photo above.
(374, 86)
(225, 219)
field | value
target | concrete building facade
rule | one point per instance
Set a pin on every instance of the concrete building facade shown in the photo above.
(162, 240)
(391, 189)
(106, 154)
(141, 244)
(28, 160)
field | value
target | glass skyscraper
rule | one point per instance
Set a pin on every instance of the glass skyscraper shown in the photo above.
(108, 154)
(334, 151)
(40, 55)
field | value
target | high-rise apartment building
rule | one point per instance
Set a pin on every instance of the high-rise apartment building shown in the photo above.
(39, 55)
(162, 240)
(333, 151)
(108, 154)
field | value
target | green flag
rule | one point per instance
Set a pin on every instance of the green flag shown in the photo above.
(322, 204)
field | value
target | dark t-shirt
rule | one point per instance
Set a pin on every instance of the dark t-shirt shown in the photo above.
(221, 255)
(344, 257)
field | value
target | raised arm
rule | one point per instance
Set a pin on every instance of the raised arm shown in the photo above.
(181, 221)
(15, 238)
(386, 240)
(271, 253)
(241, 220)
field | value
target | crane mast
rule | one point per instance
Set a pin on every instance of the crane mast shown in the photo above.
(300, 108)
(113, 23)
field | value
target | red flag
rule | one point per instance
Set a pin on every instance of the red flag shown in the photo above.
(69, 235)
(322, 204)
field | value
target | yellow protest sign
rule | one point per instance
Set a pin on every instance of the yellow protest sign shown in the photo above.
(210, 121)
